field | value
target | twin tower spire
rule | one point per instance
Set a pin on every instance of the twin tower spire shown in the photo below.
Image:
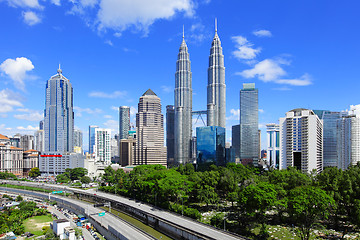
(216, 96)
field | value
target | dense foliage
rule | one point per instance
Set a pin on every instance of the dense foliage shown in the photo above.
(11, 219)
(71, 175)
(247, 197)
(34, 172)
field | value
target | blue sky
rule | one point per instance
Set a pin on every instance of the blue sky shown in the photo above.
(300, 53)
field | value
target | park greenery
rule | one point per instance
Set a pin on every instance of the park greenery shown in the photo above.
(245, 198)
(71, 175)
(34, 172)
(12, 218)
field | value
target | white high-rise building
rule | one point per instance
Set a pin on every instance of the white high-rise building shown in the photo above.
(39, 141)
(27, 142)
(102, 147)
(78, 139)
(150, 131)
(59, 115)
(183, 107)
(273, 148)
(301, 145)
(216, 88)
(348, 138)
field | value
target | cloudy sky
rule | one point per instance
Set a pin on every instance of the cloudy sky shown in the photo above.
(300, 53)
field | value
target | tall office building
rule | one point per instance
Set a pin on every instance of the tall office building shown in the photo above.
(216, 89)
(301, 144)
(59, 115)
(41, 125)
(249, 124)
(273, 145)
(210, 145)
(170, 136)
(92, 138)
(330, 120)
(235, 141)
(27, 142)
(78, 138)
(183, 106)
(102, 147)
(39, 140)
(150, 131)
(124, 122)
(348, 140)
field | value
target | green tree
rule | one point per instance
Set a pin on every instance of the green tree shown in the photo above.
(85, 179)
(256, 199)
(34, 172)
(306, 206)
(19, 198)
(62, 178)
(77, 173)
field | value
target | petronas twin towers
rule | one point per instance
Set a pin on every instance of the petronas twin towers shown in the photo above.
(216, 97)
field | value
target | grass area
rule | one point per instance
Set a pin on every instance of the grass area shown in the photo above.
(27, 188)
(139, 224)
(35, 224)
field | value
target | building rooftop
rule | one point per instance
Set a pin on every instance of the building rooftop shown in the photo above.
(15, 148)
(2, 137)
(31, 150)
(60, 220)
(149, 92)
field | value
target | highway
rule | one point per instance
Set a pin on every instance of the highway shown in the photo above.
(191, 225)
(107, 221)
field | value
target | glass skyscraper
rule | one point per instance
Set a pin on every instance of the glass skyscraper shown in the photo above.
(124, 122)
(210, 144)
(59, 115)
(273, 148)
(249, 124)
(216, 88)
(330, 137)
(92, 138)
(170, 115)
(183, 107)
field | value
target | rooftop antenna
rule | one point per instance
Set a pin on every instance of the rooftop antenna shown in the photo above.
(59, 70)
(215, 24)
(183, 31)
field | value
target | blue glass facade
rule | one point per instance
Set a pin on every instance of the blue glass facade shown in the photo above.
(210, 145)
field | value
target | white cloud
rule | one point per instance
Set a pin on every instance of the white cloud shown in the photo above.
(24, 3)
(115, 108)
(109, 42)
(116, 94)
(89, 3)
(31, 18)
(270, 70)
(56, 2)
(8, 100)
(261, 110)
(16, 69)
(262, 33)
(245, 49)
(28, 128)
(122, 14)
(113, 125)
(304, 80)
(235, 114)
(167, 89)
(133, 111)
(266, 70)
(79, 111)
(107, 116)
(30, 115)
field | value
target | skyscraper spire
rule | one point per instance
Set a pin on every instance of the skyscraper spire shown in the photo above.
(183, 106)
(183, 32)
(215, 25)
(216, 89)
(59, 69)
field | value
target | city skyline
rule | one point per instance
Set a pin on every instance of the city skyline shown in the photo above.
(106, 70)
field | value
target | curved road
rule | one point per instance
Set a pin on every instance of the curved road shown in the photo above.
(194, 226)
(107, 221)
